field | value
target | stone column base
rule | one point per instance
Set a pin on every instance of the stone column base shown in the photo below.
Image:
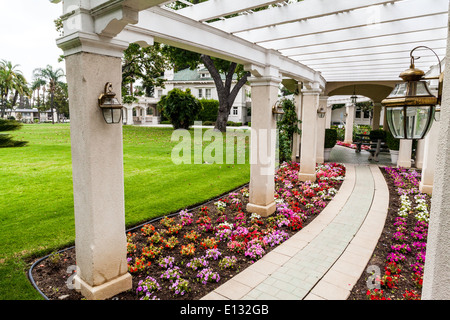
(404, 164)
(307, 177)
(348, 141)
(426, 188)
(263, 211)
(106, 290)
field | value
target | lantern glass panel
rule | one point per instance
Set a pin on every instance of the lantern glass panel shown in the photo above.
(116, 115)
(395, 119)
(420, 89)
(417, 121)
(400, 90)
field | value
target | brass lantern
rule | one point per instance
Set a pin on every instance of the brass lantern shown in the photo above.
(110, 105)
(277, 111)
(321, 112)
(410, 107)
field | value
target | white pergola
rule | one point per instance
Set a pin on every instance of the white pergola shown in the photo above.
(320, 47)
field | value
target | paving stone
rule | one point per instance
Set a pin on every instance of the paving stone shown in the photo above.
(326, 258)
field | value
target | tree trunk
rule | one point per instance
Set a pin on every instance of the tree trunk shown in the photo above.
(51, 105)
(225, 93)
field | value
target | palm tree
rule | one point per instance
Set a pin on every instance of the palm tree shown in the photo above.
(10, 79)
(36, 85)
(52, 78)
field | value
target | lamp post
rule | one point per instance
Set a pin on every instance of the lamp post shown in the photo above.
(410, 107)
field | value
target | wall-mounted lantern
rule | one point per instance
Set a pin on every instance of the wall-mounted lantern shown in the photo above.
(110, 105)
(277, 111)
(321, 112)
(410, 108)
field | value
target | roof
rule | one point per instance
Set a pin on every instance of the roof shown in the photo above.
(194, 75)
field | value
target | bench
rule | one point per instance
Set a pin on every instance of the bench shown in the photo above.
(377, 145)
(362, 140)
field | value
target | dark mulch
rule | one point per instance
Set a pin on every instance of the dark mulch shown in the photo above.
(52, 275)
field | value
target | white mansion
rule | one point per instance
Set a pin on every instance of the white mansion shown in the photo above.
(202, 86)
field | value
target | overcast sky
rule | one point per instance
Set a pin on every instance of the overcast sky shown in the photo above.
(28, 35)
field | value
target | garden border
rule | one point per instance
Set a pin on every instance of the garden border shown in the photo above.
(173, 213)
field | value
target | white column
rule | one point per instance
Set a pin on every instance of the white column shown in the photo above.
(309, 133)
(321, 131)
(437, 273)
(404, 154)
(429, 159)
(328, 116)
(97, 161)
(420, 153)
(130, 120)
(296, 139)
(263, 146)
(350, 109)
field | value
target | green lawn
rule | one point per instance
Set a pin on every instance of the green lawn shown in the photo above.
(36, 197)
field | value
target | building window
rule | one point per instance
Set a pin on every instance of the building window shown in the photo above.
(235, 111)
(160, 92)
(200, 93)
(208, 94)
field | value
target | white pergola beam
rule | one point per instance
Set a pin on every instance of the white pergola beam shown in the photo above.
(428, 23)
(407, 9)
(365, 47)
(386, 41)
(306, 9)
(372, 60)
(438, 44)
(172, 29)
(213, 9)
(401, 27)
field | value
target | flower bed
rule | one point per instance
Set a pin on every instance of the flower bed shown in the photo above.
(187, 255)
(400, 253)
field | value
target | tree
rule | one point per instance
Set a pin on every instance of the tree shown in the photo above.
(181, 59)
(10, 79)
(52, 78)
(145, 64)
(6, 140)
(287, 126)
(36, 85)
(180, 107)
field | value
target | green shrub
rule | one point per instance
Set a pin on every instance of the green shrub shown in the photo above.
(393, 143)
(180, 107)
(330, 138)
(6, 140)
(234, 124)
(378, 134)
(210, 109)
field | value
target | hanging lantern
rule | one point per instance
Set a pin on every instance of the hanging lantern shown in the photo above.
(110, 105)
(410, 107)
(354, 97)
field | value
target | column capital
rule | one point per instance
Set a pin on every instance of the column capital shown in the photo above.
(91, 43)
(264, 81)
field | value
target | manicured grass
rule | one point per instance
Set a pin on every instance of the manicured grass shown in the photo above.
(36, 195)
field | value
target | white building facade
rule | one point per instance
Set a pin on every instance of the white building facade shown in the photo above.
(202, 86)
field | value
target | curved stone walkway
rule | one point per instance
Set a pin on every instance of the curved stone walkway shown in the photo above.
(326, 258)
